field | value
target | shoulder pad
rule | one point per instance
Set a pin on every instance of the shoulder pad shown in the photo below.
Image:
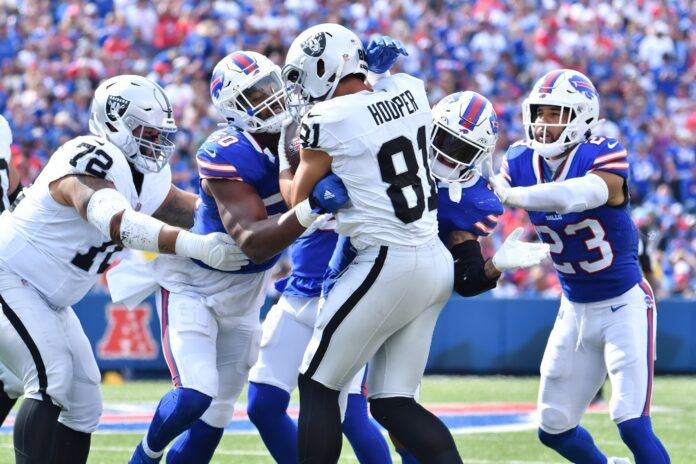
(605, 154)
(517, 149)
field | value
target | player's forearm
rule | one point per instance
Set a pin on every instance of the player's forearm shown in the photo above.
(572, 195)
(264, 239)
(490, 271)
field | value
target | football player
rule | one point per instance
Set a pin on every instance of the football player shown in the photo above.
(11, 387)
(209, 318)
(574, 187)
(96, 195)
(288, 328)
(384, 307)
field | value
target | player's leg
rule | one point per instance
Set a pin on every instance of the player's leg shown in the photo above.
(396, 372)
(375, 297)
(630, 354)
(345, 337)
(11, 388)
(76, 425)
(237, 350)
(274, 376)
(366, 439)
(189, 333)
(33, 346)
(571, 373)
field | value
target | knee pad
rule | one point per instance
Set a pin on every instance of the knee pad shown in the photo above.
(85, 408)
(554, 421)
(191, 403)
(266, 401)
(219, 414)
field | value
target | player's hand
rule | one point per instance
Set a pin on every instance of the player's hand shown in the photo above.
(329, 195)
(516, 254)
(289, 145)
(382, 53)
(499, 186)
(217, 250)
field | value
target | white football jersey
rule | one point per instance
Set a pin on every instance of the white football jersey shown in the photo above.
(379, 143)
(5, 160)
(50, 245)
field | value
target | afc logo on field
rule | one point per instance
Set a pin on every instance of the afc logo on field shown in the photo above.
(127, 334)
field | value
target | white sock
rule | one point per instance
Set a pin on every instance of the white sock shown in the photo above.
(149, 452)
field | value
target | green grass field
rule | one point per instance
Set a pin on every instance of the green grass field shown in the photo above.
(674, 420)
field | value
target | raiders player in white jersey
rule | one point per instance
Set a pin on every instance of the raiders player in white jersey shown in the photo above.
(11, 387)
(383, 308)
(97, 194)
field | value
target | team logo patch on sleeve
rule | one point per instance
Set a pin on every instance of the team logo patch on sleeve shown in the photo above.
(315, 45)
(116, 107)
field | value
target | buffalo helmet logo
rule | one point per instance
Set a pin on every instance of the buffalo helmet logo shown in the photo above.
(116, 107)
(315, 45)
(583, 86)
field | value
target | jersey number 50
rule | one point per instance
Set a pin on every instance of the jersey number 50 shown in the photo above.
(596, 242)
(408, 178)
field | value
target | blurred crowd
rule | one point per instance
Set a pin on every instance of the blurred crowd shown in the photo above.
(641, 55)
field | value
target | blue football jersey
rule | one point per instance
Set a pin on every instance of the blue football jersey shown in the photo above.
(477, 211)
(230, 153)
(310, 257)
(596, 251)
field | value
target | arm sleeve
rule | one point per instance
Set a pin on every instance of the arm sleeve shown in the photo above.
(569, 196)
(469, 275)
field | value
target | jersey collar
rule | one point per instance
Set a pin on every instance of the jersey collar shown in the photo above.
(542, 172)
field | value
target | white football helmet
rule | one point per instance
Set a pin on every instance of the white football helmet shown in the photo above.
(465, 131)
(316, 62)
(134, 114)
(246, 89)
(578, 100)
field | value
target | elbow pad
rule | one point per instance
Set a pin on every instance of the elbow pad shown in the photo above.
(138, 231)
(469, 275)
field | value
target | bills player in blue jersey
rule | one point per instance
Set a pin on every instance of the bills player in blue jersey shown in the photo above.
(574, 187)
(210, 318)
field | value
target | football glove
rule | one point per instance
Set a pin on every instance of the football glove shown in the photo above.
(382, 53)
(217, 250)
(516, 254)
(329, 195)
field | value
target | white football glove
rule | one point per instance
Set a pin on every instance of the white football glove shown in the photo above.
(217, 250)
(515, 254)
(500, 187)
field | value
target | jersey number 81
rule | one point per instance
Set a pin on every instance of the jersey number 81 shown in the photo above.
(409, 178)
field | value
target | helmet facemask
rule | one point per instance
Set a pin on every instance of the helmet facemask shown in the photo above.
(298, 96)
(569, 137)
(260, 104)
(153, 145)
(455, 158)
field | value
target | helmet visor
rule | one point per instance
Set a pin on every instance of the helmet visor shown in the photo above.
(455, 152)
(263, 99)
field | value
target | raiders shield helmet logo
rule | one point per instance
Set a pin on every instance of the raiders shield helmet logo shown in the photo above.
(315, 45)
(116, 107)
